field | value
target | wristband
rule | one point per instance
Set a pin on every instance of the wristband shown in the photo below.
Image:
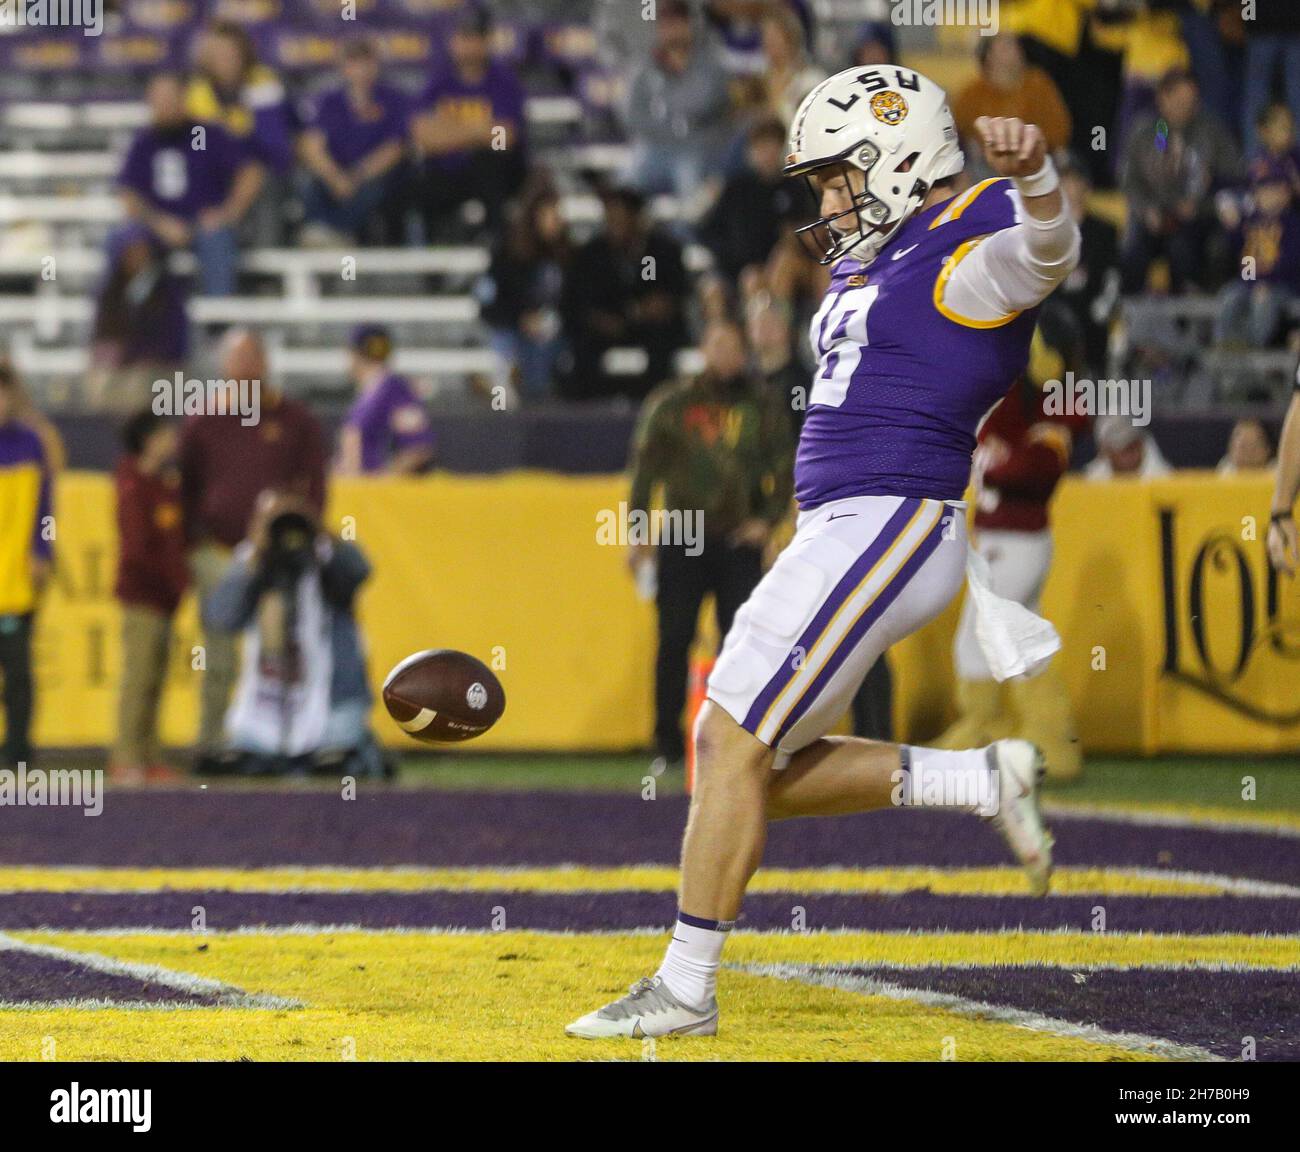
(1042, 182)
(1275, 517)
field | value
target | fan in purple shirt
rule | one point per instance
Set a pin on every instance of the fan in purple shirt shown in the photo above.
(353, 147)
(187, 194)
(457, 128)
(387, 429)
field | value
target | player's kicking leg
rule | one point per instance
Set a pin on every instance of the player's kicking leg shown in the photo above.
(859, 575)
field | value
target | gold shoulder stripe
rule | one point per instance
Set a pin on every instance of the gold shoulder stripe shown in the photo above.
(962, 202)
(941, 285)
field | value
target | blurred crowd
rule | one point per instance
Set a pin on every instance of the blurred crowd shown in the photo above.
(1175, 122)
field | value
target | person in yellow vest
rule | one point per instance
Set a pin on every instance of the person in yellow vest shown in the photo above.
(26, 557)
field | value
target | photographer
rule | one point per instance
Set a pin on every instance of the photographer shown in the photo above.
(302, 701)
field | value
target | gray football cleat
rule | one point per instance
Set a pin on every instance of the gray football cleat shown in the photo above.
(648, 1009)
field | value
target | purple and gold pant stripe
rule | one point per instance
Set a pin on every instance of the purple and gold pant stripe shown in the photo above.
(856, 603)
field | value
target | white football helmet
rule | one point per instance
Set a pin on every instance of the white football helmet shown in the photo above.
(893, 125)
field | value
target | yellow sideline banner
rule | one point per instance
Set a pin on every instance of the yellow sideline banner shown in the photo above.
(1177, 635)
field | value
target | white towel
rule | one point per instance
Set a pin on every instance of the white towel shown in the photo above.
(1016, 643)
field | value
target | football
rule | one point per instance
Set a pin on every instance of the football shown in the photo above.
(442, 696)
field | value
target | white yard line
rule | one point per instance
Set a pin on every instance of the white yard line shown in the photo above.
(864, 985)
(1158, 818)
(226, 995)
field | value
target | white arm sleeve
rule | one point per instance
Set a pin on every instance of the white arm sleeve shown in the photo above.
(1014, 269)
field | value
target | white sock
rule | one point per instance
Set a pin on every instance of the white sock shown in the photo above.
(935, 778)
(690, 967)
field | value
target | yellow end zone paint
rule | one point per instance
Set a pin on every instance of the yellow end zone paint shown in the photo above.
(500, 996)
(942, 881)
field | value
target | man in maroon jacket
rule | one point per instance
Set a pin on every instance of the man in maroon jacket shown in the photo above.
(151, 578)
(227, 460)
(1023, 453)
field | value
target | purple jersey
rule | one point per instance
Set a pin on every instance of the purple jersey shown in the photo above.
(497, 98)
(390, 419)
(902, 382)
(165, 168)
(351, 137)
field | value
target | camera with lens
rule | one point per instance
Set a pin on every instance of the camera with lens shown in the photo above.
(290, 549)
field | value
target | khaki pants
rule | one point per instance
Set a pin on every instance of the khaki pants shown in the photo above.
(146, 638)
(208, 563)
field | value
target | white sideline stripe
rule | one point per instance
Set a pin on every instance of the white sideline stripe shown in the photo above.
(100, 1005)
(1157, 819)
(228, 995)
(979, 1009)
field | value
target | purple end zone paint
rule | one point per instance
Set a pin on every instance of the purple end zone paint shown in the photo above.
(1211, 1010)
(480, 829)
(30, 978)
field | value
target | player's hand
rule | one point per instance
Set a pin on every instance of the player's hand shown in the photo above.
(172, 231)
(1283, 551)
(1011, 147)
(214, 219)
(636, 554)
(751, 533)
(992, 453)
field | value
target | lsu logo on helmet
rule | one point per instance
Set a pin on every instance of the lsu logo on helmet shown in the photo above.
(889, 107)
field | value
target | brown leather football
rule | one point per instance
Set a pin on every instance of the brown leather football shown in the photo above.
(442, 696)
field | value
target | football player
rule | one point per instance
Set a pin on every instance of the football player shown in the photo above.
(928, 317)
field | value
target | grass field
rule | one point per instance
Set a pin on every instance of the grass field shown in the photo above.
(471, 910)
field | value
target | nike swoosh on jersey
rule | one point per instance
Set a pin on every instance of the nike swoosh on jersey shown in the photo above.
(901, 253)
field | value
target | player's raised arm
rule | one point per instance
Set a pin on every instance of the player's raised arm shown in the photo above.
(1018, 267)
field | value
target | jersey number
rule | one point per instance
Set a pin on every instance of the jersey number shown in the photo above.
(839, 332)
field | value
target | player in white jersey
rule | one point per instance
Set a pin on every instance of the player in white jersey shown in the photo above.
(927, 320)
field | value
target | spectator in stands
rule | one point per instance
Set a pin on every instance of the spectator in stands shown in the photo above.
(770, 338)
(790, 74)
(739, 24)
(152, 575)
(190, 184)
(26, 560)
(1252, 307)
(722, 448)
(25, 411)
(1123, 449)
(1150, 45)
(233, 89)
(141, 331)
(521, 294)
(874, 44)
(1010, 86)
(225, 465)
(302, 704)
(677, 108)
(744, 224)
(1250, 447)
(387, 429)
(1056, 36)
(1091, 291)
(352, 147)
(624, 288)
(1173, 163)
(1272, 46)
(468, 127)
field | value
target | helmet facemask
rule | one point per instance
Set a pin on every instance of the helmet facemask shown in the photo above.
(868, 225)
